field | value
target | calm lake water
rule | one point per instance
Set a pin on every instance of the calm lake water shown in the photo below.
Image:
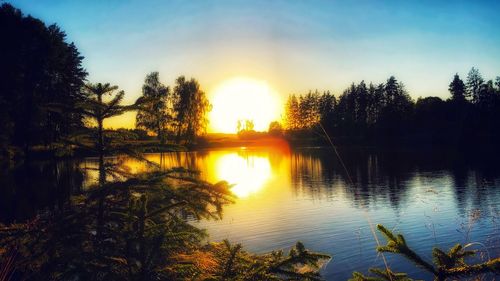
(284, 196)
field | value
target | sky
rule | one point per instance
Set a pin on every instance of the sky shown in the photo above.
(293, 46)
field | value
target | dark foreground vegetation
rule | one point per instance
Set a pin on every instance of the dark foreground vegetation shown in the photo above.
(136, 226)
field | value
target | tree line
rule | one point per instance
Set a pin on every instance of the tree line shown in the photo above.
(44, 92)
(38, 67)
(385, 113)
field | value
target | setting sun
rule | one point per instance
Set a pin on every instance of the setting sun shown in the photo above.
(243, 99)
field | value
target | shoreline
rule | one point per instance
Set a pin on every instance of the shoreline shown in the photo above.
(218, 141)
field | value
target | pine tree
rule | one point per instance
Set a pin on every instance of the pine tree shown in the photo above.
(39, 67)
(292, 121)
(457, 89)
(474, 84)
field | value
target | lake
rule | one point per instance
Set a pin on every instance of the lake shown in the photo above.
(435, 198)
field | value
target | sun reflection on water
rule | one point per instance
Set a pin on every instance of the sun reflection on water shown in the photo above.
(248, 174)
(248, 171)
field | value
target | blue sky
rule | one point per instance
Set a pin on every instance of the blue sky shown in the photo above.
(293, 45)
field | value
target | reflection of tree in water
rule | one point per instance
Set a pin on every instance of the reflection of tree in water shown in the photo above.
(179, 159)
(276, 157)
(188, 160)
(320, 174)
(476, 180)
(383, 177)
(30, 187)
(380, 178)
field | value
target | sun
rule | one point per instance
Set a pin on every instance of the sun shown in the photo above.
(243, 99)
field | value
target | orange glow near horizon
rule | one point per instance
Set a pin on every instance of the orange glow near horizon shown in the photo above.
(243, 99)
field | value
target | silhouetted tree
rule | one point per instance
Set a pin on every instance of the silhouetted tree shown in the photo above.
(397, 112)
(96, 108)
(326, 106)
(308, 109)
(275, 128)
(385, 112)
(347, 111)
(457, 89)
(239, 126)
(38, 68)
(190, 106)
(361, 105)
(249, 125)
(292, 121)
(431, 119)
(396, 95)
(245, 126)
(474, 84)
(376, 103)
(487, 94)
(364, 112)
(153, 115)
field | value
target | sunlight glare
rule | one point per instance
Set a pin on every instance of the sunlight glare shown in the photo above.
(248, 174)
(243, 99)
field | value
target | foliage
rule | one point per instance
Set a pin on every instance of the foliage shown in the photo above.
(358, 109)
(190, 105)
(180, 113)
(385, 113)
(308, 109)
(474, 84)
(292, 113)
(457, 89)
(380, 275)
(143, 227)
(275, 128)
(38, 68)
(101, 101)
(134, 134)
(138, 229)
(231, 262)
(445, 265)
(245, 126)
(154, 115)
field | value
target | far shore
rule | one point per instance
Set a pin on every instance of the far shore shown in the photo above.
(254, 139)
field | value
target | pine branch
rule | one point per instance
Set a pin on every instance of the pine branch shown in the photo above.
(381, 275)
(472, 270)
(448, 265)
(397, 245)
